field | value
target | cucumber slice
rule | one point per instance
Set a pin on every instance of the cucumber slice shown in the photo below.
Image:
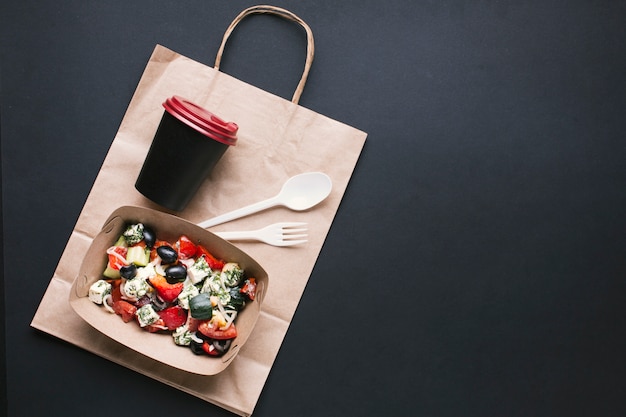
(200, 307)
(138, 255)
(121, 242)
(111, 273)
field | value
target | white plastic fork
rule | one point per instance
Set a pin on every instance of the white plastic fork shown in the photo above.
(277, 234)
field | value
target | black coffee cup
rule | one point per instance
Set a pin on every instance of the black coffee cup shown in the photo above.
(188, 143)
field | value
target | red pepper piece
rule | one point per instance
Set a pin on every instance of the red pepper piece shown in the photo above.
(168, 292)
(117, 257)
(214, 263)
(249, 288)
(186, 248)
(210, 349)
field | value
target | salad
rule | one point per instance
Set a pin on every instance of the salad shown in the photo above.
(177, 287)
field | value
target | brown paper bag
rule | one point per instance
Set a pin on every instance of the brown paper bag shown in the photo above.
(277, 139)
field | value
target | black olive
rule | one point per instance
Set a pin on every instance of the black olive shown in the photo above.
(128, 271)
(158, 304)
(222, 346)
(167, 254)
(149, 236)
(175, 273)
(199, 335)
(142, 301)
(196, 347)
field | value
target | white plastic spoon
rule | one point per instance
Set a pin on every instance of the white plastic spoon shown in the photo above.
(300, 192)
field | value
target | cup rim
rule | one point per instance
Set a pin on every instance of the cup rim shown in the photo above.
(202, 120)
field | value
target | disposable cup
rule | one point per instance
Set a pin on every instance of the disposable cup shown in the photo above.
(189, 142)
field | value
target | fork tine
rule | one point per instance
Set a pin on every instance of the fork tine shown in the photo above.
(292, 230)
(289, 242)
(293, 233)
(299, 227)
(294, 236)
(289, 224)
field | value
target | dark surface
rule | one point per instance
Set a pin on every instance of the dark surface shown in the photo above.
(483, 228)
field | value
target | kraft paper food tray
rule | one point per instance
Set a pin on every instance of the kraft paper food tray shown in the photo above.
(160, 346)
(277, 139)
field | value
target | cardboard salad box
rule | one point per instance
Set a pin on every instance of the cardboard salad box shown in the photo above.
(160, 346)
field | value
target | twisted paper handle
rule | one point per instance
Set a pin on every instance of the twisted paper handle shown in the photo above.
(277, 11)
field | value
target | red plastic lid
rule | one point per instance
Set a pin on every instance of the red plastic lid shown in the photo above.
(202, 120)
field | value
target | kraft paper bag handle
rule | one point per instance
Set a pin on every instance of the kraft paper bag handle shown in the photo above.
(277, 11)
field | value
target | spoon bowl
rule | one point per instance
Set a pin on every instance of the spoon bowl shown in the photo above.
(298, 193)
(303, 191)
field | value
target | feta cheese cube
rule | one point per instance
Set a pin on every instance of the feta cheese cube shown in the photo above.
(182, 335)
(146, 315)
(146, 272)
(136, 288)
(199, 270)
(98, 291)
(232, 274)
(189, 291)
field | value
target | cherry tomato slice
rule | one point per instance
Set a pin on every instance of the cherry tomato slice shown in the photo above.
(192, 323)
(173, 317)
(214, 333)
(155, 327)
(125, 309)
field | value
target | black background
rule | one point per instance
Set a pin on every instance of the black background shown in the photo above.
(477, 264)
